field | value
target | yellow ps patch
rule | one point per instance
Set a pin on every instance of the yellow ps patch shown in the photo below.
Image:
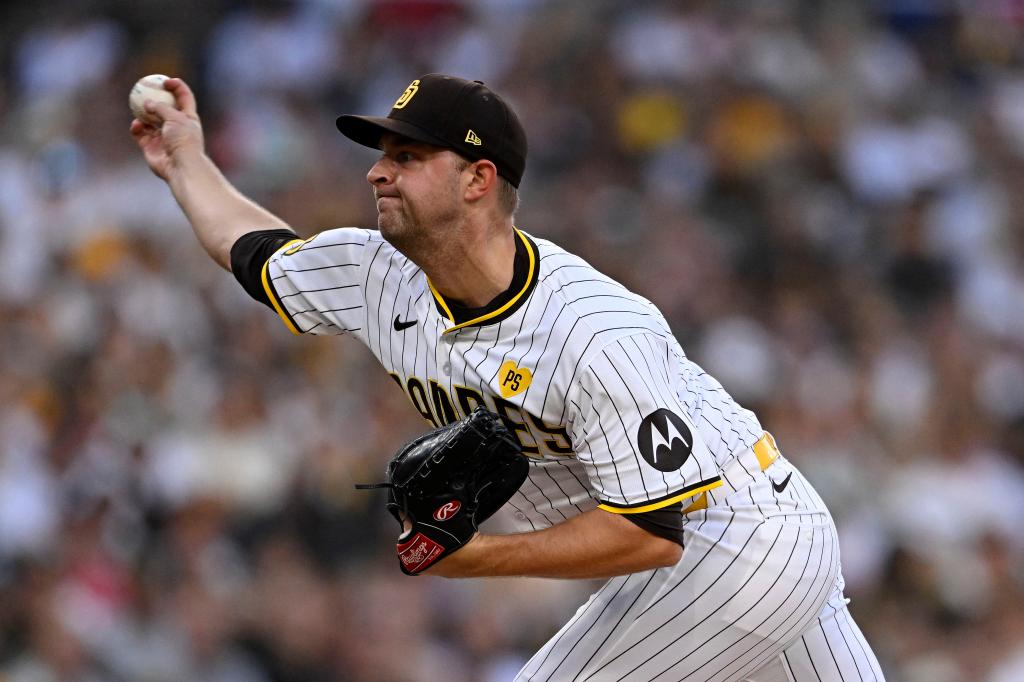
(514, 380)
(473, 138)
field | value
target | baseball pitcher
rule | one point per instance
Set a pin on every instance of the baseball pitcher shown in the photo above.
(547, 387)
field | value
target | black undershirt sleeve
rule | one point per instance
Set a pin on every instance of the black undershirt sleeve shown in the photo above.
(666, 522)
(250, 253)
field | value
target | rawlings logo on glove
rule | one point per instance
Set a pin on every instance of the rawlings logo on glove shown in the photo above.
(445, 483)
(447, 510)
(418, 553)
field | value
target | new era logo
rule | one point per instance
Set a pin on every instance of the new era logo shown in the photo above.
(473, 138)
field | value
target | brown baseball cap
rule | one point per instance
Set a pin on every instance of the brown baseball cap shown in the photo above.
(450, 112)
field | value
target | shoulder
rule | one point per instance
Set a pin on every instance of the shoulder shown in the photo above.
(349, 246)
(600, 303)
(585, 311)
(335, 240)
(558, 266)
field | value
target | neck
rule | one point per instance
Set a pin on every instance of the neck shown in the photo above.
(476, 266)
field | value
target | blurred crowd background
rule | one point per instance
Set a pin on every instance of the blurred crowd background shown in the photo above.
(824, 198)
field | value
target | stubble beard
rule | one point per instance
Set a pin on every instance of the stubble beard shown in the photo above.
(401, 230)
(392, 226)
(426, 240)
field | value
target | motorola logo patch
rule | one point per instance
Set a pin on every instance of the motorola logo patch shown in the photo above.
(665, 440)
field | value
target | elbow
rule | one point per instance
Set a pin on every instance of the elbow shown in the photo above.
(665, 553)
(645, 544)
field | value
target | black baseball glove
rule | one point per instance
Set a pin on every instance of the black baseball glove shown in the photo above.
(449, 481)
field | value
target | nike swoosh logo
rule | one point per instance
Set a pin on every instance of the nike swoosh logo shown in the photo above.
(399, 325)
(779, 487)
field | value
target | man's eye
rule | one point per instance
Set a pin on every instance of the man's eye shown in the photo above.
(404, 157)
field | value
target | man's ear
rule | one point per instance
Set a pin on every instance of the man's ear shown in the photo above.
(483, 179)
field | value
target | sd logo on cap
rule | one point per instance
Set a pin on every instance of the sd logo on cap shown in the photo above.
(450, 112)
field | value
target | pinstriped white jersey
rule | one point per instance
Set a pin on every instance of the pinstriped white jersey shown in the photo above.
(586, 374)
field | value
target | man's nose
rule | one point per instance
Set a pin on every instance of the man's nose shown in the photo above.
(379, 173)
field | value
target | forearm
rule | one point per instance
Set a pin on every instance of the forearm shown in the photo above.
(218, 212)
(596, 544)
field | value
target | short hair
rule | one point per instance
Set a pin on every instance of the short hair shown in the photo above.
(508, 195)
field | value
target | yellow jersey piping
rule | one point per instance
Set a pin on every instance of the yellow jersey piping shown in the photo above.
(701, 487)
(494, 313)
(272, 295)
(765, 450)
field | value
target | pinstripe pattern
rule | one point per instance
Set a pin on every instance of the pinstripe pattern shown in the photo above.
(753, 588)
(759, 581)
(601, 358)
(833, 649)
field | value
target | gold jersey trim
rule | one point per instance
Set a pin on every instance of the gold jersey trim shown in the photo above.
(515, 300)
(272, 295)
(766, 452)
(689, 491)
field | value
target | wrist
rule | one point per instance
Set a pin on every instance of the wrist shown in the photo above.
(187, 157)
(465, 562)
(189, 170)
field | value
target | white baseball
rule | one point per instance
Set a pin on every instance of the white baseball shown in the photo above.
(148, 87)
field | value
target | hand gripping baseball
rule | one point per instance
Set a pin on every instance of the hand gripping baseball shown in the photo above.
(174, 130)
(445, 483)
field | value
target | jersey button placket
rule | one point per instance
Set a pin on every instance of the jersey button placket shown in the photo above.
(443, 352)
